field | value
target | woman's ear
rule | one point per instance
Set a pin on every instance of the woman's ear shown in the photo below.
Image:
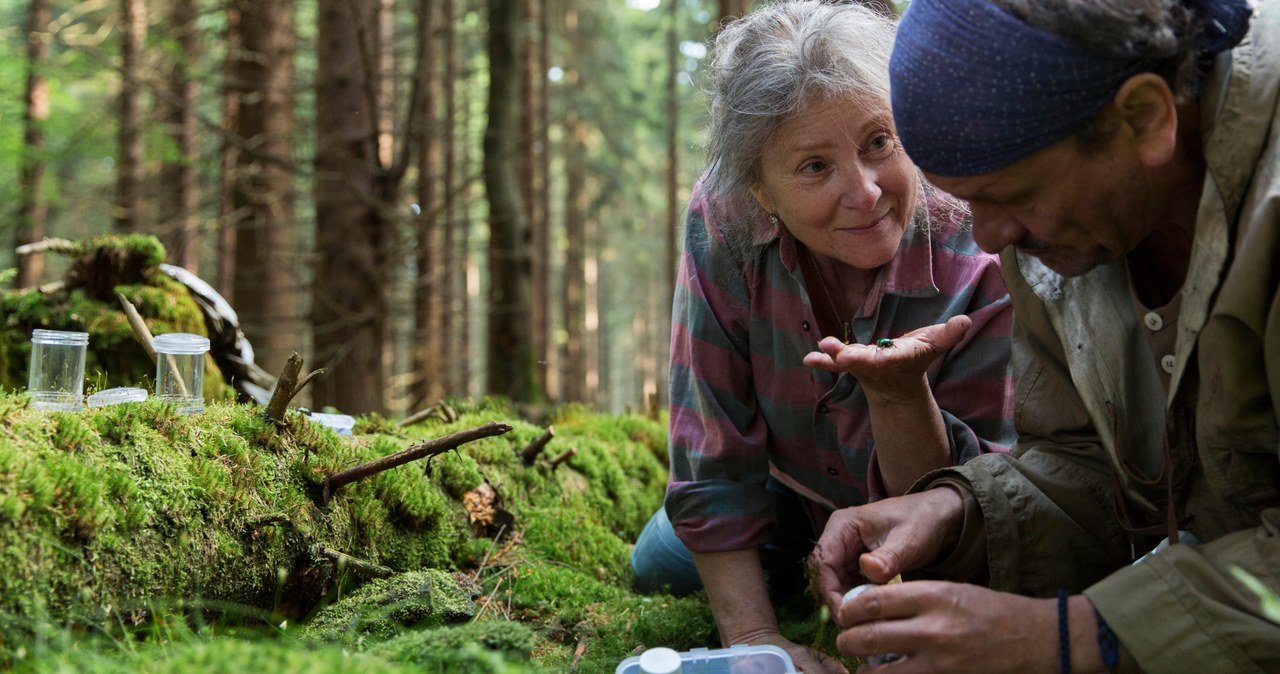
(1147, 111)
(762, 198)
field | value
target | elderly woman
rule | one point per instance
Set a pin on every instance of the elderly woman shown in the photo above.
(837, 333)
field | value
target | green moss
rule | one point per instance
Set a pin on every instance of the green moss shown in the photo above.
(108, 514)
(385, 607)
(486, 647)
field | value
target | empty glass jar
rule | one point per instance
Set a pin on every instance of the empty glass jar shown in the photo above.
(56, 376)
(180, 370)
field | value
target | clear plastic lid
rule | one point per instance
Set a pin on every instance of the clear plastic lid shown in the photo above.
(739, 658)
(59, 337)
(180, 344)
(116, 396)
(341, 423)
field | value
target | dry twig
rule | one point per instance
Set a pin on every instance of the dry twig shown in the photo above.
(429, 448)
(530, 454)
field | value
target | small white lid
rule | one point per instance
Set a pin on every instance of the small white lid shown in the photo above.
(848, 596)
(116, 396)
(59, 337)
(342, 423)
(180, 344)
(660, 660)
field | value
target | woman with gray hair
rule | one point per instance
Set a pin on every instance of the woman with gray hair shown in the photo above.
(837, 333)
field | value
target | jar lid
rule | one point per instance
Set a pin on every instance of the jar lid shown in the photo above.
(59, 337)
(342, 423)
(660, 660)
(180, 343)
(116, 396)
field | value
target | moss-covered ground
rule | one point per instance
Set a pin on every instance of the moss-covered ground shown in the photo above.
(134, 538)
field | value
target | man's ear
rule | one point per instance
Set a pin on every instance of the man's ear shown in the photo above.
(1146, 109)
(762, 198)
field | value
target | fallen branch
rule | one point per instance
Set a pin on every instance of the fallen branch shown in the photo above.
(530, 454)
(288, 387)
(348, 562)
(46, 245)
(564, 456)
(140, 330)
(414, 418)
(336, 481)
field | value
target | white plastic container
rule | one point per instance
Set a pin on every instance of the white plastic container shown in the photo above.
(736, 659)
(873, 660)
(180, 370)
(55, 379)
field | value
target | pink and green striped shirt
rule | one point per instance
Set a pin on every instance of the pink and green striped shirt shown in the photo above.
(744, 405)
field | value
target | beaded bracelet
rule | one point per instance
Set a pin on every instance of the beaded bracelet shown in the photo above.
(1107, 643)
(1064, 634)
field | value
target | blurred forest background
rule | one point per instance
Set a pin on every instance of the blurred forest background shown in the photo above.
(429, 198)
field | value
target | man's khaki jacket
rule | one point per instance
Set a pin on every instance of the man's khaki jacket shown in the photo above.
(1093, 416)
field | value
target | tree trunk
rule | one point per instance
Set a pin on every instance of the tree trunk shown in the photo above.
(510, 354)
(575, 207)
(229, 157)
(543, 293)
(133, 36)
(428, 342)
(532, 90)
(265, 281)
(453, 328)
(348, 310)
(34, 214)
(179, 217)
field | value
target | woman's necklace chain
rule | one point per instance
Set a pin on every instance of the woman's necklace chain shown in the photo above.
(830, 302)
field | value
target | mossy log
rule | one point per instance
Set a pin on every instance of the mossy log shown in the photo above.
(103, 269)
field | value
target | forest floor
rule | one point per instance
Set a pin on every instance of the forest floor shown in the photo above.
(137, 539)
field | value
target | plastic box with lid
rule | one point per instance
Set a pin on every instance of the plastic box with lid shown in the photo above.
(736, 659)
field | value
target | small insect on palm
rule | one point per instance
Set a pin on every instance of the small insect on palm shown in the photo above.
(884, 343)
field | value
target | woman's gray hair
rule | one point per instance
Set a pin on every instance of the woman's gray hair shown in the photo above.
(769, 64)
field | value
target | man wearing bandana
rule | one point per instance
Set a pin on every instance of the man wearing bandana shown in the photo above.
(1124, 157)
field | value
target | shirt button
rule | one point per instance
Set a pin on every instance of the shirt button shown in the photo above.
(823, 408)
(1153, 321)
(831, 470)
(1167, 363)
(805, 325)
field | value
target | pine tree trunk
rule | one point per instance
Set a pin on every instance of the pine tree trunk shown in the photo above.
(229, 156)
(265, 293)
(349, 309)
(133, 36)
(575, 363)
(673, 224)
(453, 328)
(428, 342)
(179, 217)
(532, 89)
(509, 355)
(542, 249)
(34, 214)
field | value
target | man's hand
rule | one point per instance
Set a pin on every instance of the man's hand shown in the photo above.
(952, 627)
(880, 540)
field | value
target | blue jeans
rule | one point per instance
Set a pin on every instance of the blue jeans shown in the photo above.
(661, 562)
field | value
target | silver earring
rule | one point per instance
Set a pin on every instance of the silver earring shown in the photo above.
(773, 219)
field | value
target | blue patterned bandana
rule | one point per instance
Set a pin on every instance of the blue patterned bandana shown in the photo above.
(975, 89)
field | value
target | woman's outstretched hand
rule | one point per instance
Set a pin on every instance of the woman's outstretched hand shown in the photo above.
(891, 371)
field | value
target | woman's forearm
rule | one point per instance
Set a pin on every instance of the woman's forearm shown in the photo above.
(910, 436)
(735, 587)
